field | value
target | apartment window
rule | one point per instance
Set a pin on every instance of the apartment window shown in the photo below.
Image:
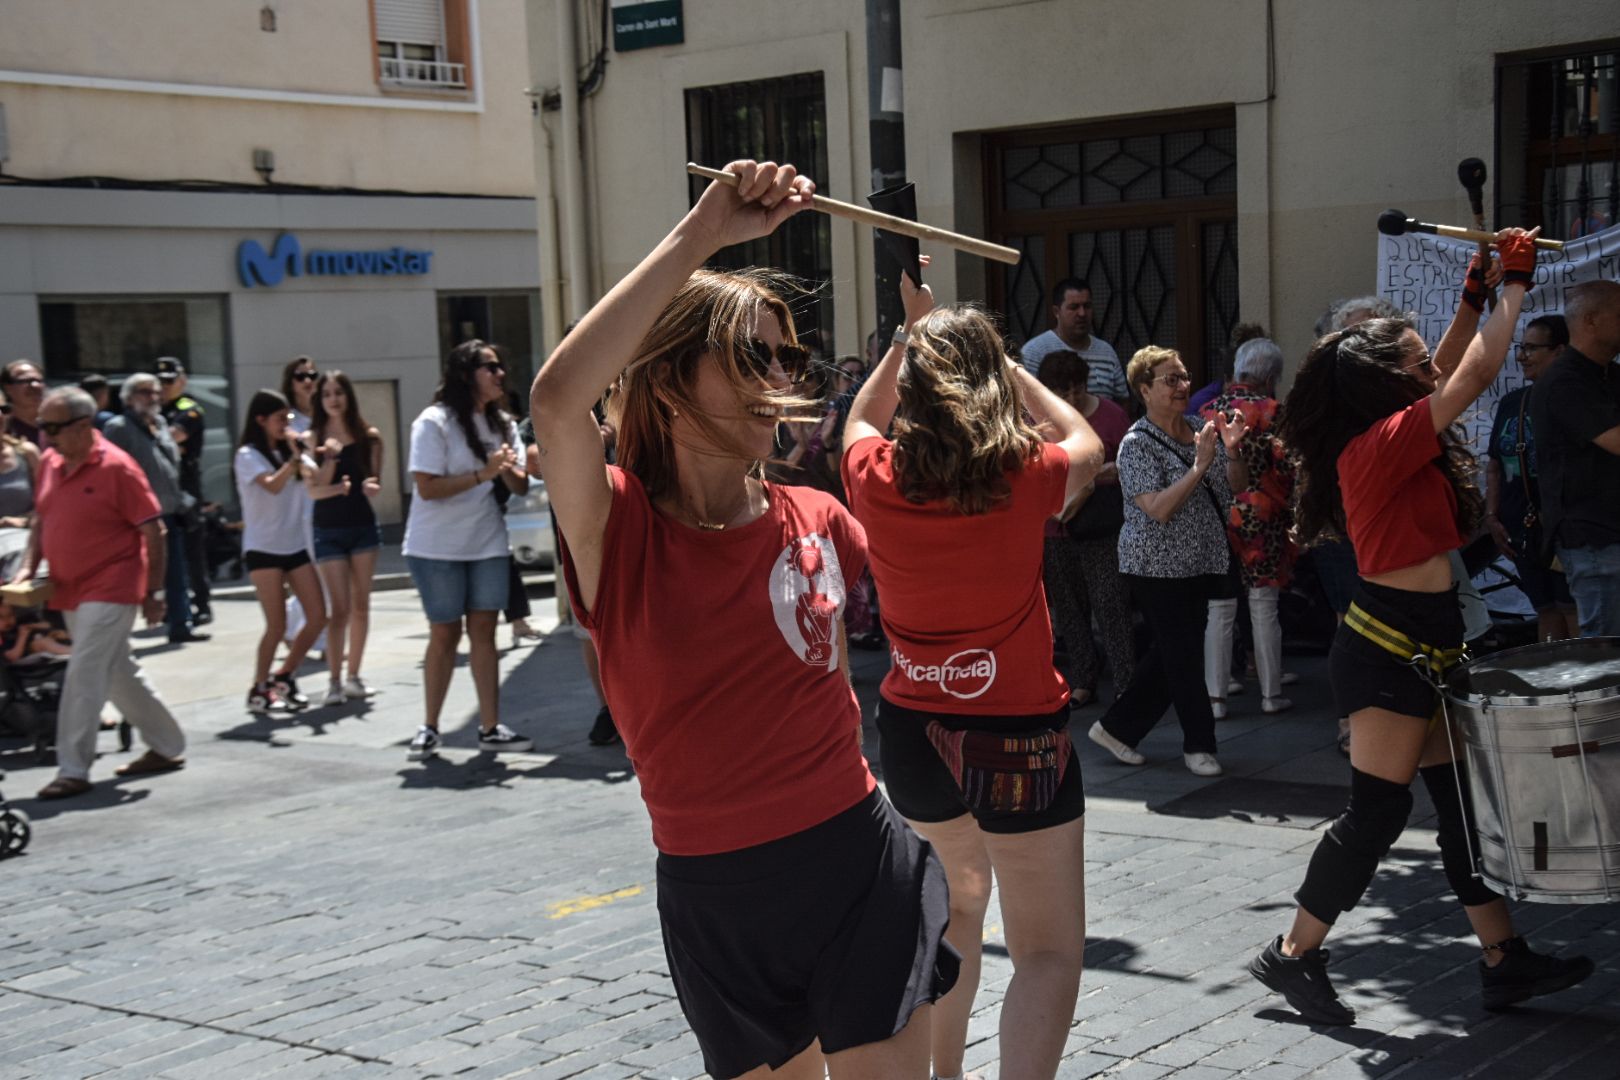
(773, 120)
(1558, 140)
(117, 336)
(421, 44)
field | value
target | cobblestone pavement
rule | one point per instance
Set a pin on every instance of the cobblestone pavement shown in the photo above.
(300, 901)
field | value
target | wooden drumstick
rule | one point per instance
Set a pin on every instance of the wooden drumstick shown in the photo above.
(884, 221)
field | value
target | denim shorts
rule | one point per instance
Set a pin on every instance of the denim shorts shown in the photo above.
(341, 541)
(450, 588)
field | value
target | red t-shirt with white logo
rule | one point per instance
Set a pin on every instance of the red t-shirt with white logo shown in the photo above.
(1398, 506)
(962, 598)
(720, 660)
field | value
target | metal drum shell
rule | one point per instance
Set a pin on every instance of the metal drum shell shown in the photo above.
(1544, 775)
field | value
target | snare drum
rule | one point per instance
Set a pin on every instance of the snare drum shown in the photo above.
(1542, 731)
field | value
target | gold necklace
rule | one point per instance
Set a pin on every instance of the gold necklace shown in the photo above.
(712, 526)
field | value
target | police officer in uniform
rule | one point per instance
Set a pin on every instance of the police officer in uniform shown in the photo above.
(184, 416)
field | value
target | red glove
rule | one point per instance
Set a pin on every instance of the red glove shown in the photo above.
(1518, 254)
(1474, 290)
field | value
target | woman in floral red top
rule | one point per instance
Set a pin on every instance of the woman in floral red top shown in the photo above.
(1257, 525)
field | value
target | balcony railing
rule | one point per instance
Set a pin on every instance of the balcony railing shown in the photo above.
(423, 72)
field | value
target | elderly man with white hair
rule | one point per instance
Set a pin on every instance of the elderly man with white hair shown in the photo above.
(141, 432)
(1257, 527)
(100, 528)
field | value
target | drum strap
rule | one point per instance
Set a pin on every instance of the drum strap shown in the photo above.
(1437, 660)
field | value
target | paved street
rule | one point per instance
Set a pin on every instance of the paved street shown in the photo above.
(301, 901)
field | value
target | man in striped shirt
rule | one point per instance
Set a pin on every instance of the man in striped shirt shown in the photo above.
(1071, 329)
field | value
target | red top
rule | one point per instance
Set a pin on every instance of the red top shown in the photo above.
(89, 526)
(962, 598)
(1398, 505)
(720, 660)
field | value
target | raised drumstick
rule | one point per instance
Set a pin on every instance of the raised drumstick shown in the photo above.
(884, 221)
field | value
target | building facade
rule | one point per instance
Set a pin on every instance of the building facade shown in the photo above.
(237, 185)
(1199, 164)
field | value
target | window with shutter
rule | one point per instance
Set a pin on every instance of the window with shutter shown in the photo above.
(411, 42)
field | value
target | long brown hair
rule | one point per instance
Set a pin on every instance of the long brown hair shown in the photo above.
(960, 426)
(1351, 380)
(710, 315)
(358, 429)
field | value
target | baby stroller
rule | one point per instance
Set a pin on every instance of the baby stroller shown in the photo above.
(29, 693)
(14, 829)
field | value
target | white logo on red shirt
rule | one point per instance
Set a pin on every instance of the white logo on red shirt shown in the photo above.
(965, 675)
(807, 597)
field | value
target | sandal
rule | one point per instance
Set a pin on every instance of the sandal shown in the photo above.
(64, 787)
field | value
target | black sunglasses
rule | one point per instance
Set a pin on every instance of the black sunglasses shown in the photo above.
(5, 410)
(54, 428)
(306, 376)
(492, 365)
(795, 359)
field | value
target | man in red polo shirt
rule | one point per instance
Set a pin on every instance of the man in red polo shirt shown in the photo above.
(100, 528)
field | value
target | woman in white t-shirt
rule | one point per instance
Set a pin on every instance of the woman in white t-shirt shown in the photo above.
(455, 538)
(269, 463)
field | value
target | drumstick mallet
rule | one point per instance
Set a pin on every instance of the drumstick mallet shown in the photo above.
(1471, 174)
(877, 220)
(1395, 222)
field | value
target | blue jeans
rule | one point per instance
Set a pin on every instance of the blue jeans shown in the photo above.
(175, 590)
(450, 588)
(1594, 580)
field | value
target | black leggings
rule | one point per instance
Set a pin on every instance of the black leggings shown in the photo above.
(1172, 672)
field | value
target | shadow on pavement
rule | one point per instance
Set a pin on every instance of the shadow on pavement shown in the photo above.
(493, 770)
(314, 720)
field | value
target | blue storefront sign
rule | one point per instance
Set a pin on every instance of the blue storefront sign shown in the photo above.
(286, 258)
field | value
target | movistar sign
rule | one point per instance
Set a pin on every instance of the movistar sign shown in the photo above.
(255, 266)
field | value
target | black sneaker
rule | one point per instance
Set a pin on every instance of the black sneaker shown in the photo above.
(262, 699)
(604, 732)
(1524, 974)
(287, 687)
(1302, 980)
(503, 740)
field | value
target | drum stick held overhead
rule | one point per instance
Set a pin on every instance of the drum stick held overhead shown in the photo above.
(884, 221)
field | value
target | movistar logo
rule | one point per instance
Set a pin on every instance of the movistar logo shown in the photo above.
(256, 267)
(252, 262)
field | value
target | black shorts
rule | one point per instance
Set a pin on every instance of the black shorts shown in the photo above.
(835, 933)
(263, 560)
(1366, 676)
(924, 790)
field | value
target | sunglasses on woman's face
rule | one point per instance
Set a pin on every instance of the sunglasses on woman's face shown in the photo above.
(492, 365)
(306, 376)
(795, 359)
(5, 410)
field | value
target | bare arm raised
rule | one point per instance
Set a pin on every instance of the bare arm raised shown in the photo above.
(1482, 360)
(607, 338)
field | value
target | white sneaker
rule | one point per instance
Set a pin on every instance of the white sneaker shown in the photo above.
(1218, 707)
(1234, 687)
(1099, 735)
(1289, 678)
(1272, 705)
(334, 695)
(355, 690)
(424, 744)
(1202, 764)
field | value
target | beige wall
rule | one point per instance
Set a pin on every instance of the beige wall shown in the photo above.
(1374, 104)
(186, 89)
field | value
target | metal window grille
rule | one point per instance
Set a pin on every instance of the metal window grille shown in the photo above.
(1558, 140)
(772, 120)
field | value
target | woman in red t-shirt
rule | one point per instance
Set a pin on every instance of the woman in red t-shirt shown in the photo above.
(802, 919)
(1370, 417)
(972, 713)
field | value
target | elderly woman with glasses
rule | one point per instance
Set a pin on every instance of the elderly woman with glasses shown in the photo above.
(1177, 474)
(1257, 526)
